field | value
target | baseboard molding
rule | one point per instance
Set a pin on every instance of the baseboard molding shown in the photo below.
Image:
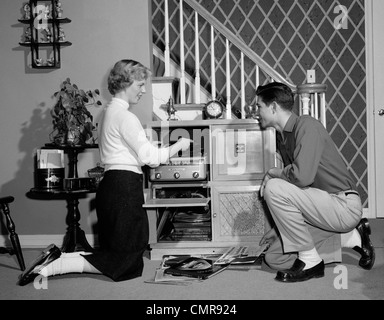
(42, 241)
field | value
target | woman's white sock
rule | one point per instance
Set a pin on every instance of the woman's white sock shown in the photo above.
(71, 262)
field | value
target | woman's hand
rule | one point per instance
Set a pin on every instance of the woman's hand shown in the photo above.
(185, 143)
(182, 144)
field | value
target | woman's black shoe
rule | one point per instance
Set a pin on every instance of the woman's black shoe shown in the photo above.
(49, 254)
(367, 250)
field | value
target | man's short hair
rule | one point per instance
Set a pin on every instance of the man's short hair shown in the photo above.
(277, 92)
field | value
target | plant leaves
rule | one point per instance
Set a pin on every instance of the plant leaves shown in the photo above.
(70, 110)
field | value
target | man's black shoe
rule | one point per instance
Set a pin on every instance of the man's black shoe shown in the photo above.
(297, 274)
(49, 254)
(366, 250)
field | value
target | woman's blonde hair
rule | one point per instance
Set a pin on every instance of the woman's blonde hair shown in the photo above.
(124, 73)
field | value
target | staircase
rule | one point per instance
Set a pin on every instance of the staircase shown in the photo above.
(224, 68)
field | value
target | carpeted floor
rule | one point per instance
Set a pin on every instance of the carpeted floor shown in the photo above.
(346, 281)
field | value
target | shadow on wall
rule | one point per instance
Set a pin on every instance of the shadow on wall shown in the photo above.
(34, 134)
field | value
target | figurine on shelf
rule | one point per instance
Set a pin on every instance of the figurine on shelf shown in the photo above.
(39, 62)
(47, 33)
(27, 35)
(171, 110)
(27, 11)
(51, 61)
(47, 12)
(61, 36)
(251, 112)
(58, 9)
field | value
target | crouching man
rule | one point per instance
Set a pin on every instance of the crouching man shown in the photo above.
(313, 200)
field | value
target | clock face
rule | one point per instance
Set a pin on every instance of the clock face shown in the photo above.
(214, 109)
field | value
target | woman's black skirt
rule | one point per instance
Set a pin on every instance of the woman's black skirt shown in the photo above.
(123, 230)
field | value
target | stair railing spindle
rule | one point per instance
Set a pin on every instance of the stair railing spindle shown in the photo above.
(242, 87)
(213, 67)
(228, 81)
(182, 54)
(167, 48)
(197, 60)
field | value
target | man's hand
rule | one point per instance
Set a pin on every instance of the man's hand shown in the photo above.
(266, 178)
(271, 174)
(269, 238)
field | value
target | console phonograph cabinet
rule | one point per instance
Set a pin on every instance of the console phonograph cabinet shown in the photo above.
(206, 199)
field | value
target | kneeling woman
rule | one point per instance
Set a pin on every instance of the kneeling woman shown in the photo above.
(122, 221)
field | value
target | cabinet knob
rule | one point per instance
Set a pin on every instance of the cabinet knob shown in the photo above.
(381, 112)
(215, 215)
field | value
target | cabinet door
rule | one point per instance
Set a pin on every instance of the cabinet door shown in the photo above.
(238, 214)
(241, 152)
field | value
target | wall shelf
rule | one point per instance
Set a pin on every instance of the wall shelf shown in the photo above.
(45, 44)
(45, 48)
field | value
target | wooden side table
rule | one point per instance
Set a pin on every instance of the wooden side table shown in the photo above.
(75, 239)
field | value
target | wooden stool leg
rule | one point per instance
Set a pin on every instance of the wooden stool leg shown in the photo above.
(19, 254)
(13, 235)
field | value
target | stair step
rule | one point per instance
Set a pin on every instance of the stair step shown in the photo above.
(164, 79)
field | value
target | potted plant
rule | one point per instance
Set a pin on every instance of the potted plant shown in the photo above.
(72, 121)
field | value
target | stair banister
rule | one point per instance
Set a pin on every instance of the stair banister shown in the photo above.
(312, 100)
(312, 96)
(238, 43)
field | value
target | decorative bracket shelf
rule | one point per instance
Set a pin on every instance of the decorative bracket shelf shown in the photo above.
(44, 33)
